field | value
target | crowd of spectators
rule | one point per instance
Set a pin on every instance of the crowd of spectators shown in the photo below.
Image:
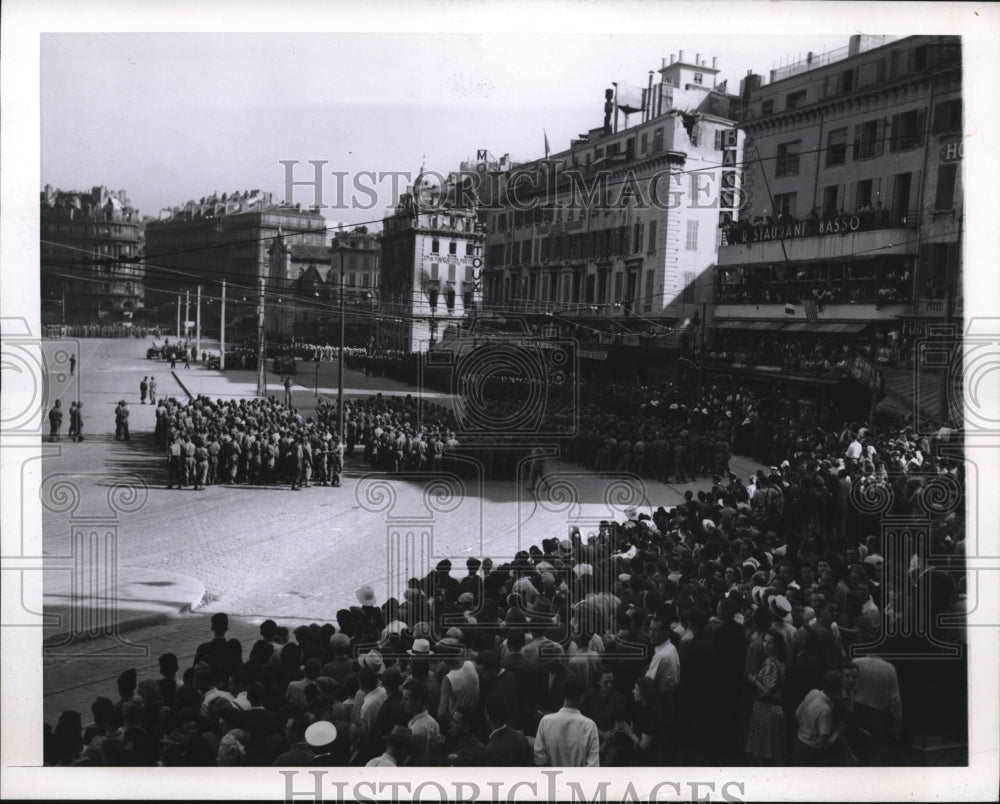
(865, 283)
(99, 331)
(716, 632)
(814, 355)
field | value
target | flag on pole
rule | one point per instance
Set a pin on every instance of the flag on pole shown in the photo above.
(545, 134)
(810, 308)
(789, 308)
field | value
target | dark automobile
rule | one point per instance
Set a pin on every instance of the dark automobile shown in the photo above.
(283, 364)
(214, 362)
(154, 353)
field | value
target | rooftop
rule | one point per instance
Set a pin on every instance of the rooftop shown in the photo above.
(859, 43)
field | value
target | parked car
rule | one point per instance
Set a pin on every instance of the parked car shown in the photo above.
(214, 362)
(284, 364)
(154, 353)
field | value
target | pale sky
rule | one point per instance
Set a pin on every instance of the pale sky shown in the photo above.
(169, 117)
(175, 116)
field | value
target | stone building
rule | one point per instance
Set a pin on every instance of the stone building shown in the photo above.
(850, 224)
(92, 269)
(432, 251)
(224, 237)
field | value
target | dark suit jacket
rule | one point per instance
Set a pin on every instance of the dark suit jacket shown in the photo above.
(507, 748)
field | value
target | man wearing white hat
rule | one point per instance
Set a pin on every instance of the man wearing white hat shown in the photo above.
(781, 618)
(321, 736)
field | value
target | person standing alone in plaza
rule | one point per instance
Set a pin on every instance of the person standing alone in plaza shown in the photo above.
(55, 421)
(72, 421)
(288, 391)
(152, 390)
(143, 389)
(72, 365)
(121, 421)
(76, 421)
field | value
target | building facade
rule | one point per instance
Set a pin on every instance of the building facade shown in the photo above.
(92, 269)
(851, 212)
(227, 237)
(309, 278)
(615, 238)
(432, 253)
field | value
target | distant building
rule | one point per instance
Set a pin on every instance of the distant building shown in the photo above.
(614, 240)
(431, 260)
(223, 237)
(91, 257)
(307, 278)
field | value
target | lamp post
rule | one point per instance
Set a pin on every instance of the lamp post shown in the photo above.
(261, 371)
(340, 357)
(222, 330)
(432, 296)
(197, 326)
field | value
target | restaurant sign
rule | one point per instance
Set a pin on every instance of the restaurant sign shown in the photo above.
(745, 233)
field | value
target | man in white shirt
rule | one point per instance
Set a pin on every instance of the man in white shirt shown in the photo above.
(206, 684)
(819, 728)
(374, 697)
(568, 739)
(422, 726)
(853, 450)
(877, 704)
(665, 665)
(460, 686)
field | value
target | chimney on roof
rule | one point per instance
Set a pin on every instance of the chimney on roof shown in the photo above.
(715, 60)
(680, 55)
(697, 59)
(671, 60)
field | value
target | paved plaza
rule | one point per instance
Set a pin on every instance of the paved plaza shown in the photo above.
(263, 552)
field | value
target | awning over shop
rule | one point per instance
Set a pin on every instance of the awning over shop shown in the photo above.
(805, 326)
(593, 351)
(751, 325)
(892, 407)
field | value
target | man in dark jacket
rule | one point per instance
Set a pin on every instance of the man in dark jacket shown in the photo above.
(506, 747)
(55, 421)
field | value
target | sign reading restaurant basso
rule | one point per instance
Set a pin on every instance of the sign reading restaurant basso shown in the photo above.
(783, 231)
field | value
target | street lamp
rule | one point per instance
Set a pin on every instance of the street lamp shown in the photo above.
(432, 296)
(340, 356)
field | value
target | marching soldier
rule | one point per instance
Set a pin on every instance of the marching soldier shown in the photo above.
(214, 448)
(175, 466)
(190, 467)
(336, 461)
(201, 466)
(307, 461)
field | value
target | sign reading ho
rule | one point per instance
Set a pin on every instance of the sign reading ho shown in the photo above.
(951, 151)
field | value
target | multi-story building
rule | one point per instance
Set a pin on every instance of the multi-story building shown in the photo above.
(308, 278)
(850, 223)
(615, 238)
(223, 237)
(431, 261)
(91, 257)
